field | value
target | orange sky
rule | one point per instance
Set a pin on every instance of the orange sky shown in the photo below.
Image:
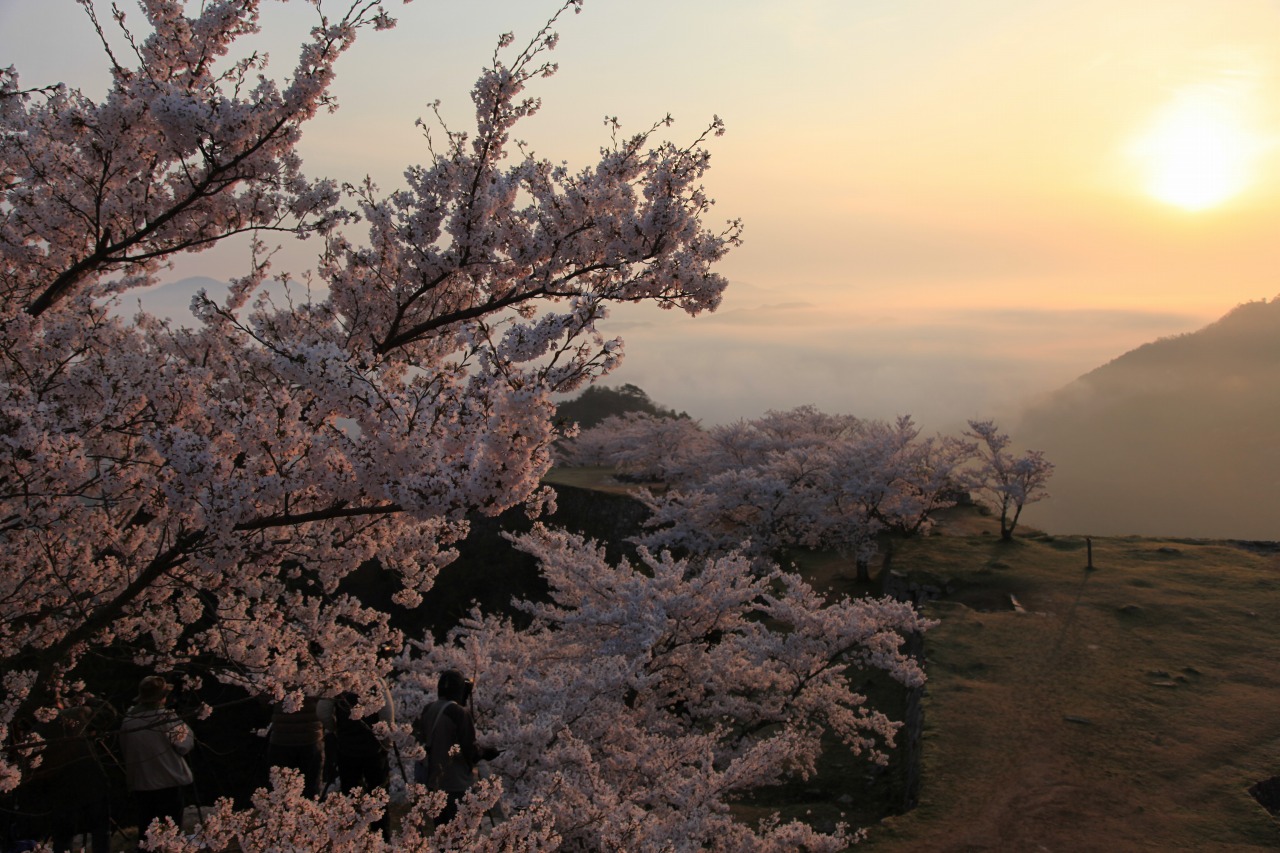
(947, 204)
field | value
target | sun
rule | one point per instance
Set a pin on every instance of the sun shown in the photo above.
(1198, 151)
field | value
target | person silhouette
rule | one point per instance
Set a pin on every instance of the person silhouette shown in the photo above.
(154, 742)
(447, 730)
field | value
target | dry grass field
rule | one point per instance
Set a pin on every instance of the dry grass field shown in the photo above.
(1125, 708)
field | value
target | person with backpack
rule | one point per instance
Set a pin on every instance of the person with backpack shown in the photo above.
(446, 728)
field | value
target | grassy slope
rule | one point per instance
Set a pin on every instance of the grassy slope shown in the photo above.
(1129, 707)
(593, 477)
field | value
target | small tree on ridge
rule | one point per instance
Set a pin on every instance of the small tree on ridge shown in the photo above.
(1006, 482)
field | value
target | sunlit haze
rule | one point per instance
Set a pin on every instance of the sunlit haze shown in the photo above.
(951, 208)
(1199, 151)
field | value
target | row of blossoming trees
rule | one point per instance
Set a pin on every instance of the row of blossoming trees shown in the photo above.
(182, 494)
(807, 479)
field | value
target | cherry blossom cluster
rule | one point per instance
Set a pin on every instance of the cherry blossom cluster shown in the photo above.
(282, 818)
(635, 707)
(647, 448)
(801, 478)
(196, 495)
(643, 699)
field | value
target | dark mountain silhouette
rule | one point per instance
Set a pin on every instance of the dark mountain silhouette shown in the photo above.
(600, 401)
(1180, 437)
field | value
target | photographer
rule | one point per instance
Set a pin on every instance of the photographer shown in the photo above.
(443, 725)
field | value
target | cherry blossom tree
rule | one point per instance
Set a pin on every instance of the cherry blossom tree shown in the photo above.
(173, 494)
(759, 509)
(644, 698)
(801, 478)
(177, 493)
(637, 706)
(643, 447)
(892, 479)
(1006, 482)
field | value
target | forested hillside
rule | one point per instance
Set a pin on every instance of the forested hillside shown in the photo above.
(1174, 438)
(598, 402)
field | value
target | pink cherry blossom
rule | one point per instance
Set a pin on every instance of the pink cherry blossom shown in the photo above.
(201, 492)
(801, 478)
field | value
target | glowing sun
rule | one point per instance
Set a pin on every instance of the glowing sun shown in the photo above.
(1197, 152)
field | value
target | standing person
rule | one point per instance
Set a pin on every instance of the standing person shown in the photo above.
(361, 755)
(297, 741)
(154, 742)
(76, 782)
(449, 734)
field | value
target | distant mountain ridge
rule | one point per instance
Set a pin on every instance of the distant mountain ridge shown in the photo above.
(1179, 437)
(1245, 338)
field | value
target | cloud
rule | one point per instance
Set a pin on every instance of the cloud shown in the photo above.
(941, 366)
(764, 351)
(1154, 320)
(786, 313)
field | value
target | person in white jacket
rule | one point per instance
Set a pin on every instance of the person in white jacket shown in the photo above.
(154, 742)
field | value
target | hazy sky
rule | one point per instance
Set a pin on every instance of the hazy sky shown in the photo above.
(951, 206)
